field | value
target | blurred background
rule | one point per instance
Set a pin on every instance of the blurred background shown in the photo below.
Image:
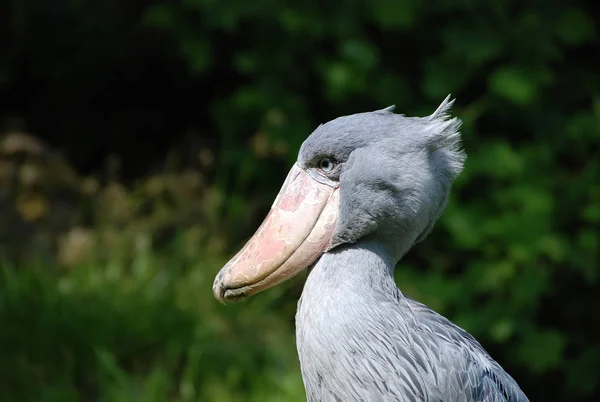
(142, 142)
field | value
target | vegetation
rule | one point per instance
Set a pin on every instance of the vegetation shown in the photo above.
(168, 128)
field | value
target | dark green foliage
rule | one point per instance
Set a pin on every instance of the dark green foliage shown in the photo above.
(147, 332)
(514, 260)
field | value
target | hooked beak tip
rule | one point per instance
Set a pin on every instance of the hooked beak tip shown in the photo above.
(219, 294)
(224, 294)
(219, 289)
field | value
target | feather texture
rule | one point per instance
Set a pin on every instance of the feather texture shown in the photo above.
(360, 339)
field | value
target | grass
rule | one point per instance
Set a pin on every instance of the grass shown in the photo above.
(142, 329)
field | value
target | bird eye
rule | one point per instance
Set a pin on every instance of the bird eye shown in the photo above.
(326, 165)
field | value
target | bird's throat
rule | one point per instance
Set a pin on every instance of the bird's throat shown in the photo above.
(350, 271)
(343, 286)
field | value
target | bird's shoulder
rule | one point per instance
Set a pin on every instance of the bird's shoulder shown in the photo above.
(409, 348)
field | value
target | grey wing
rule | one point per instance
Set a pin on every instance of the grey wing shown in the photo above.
(470, 373)
(406, 352)
(497, 387)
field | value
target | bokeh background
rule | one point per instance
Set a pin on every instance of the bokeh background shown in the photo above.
(142, 142)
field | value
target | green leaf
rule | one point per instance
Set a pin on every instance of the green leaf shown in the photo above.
(575, 27)
(394, 14)
(542, 351)
(159, 16)
(197, 52)
(502, 330)
(514, 85)
(360, 53)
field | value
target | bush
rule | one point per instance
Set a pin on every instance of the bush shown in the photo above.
(514, 259)
(147, 331)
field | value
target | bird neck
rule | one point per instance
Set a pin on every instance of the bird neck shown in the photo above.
(364, 269)
(346, 285)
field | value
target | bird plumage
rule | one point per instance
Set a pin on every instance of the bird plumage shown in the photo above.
(360, 339)
(364, 190)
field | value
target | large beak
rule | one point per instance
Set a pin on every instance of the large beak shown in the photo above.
(295, 233)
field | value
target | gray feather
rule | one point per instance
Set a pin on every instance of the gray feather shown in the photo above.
(359, 338)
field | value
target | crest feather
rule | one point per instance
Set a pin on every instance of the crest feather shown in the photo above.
(443, 134)
(443, 110)
(389, 109)
(443, 130)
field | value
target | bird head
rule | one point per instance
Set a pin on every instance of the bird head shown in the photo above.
(376, 175)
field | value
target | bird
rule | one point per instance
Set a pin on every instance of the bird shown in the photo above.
(363, 191)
